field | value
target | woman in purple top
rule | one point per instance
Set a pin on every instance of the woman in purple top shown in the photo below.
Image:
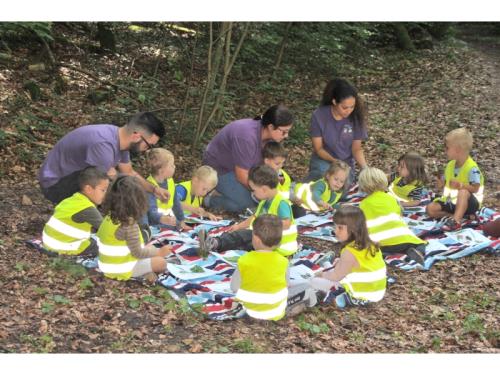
(236, 149)
(338, 127)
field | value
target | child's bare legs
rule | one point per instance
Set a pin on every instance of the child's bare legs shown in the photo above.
(461, 207)
(435, 210)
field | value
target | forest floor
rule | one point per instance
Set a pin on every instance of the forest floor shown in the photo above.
(54, 306)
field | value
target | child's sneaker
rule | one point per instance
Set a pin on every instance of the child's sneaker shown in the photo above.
(415, 255)
(207, 243)
(451, 225)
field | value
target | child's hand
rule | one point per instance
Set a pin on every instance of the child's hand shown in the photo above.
(325, 206)
(454, 184)
(165, 250)
(184, 226)
(168, 220)
(213, 217)
(298, 201)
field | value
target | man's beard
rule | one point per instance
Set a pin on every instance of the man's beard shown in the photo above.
(135, 148)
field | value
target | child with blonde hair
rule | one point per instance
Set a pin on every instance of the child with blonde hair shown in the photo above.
(161, 164)
(122, 253)
(191, 193)
(463, 182)
(323, 194)
(274, 156)
(408, 184)
(360, 270)
(386, 226)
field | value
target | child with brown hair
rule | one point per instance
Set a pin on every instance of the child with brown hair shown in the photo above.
(274, 156)
(192, 192)
(408, 184)
(360, 270)
(122, 253)
(463, 182)
(162, 167)
(68, 229)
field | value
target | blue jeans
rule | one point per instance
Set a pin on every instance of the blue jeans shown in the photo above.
(234, 196)
(318, 168)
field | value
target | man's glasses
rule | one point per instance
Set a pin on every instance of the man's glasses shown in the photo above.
(150, 146)
(283, 132)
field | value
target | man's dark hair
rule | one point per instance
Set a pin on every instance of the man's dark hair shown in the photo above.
(91, 176)
(263, 175)
(269, 229)
(146, 121)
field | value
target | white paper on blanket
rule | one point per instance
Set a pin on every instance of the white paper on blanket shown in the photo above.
(221, 287)
(174, 237)
(300, 274)
(189, 272)
(419, 225)
(212, 223)
(321, 233)
(313, 220)
(414, 210)
(468, 237)
(230, 257)
(434, 245)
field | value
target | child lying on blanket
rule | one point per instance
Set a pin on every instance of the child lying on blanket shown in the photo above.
(261, 278)
(69, 228)
(192, 192)
(122, 254)
(263, 180)
(162, 166)
(463, 182)
(359, 275)
(408, 184)
(323, 194)
(274, 156)
(383, 217)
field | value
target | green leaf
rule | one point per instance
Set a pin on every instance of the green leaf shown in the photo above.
(61, 299)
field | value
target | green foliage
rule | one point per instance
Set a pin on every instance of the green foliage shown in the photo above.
(132, 302)
(473, 323)
(19, 30)
(47, 307)
(61, 299)
(246, 346)
(86, 284)
(312, 328)
(62, 264)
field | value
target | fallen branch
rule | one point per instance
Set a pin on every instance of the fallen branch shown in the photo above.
(18, 136)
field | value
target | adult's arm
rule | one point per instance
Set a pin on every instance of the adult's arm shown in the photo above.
(241, 175)
(357, 152)
(317, 143)
(160, 193)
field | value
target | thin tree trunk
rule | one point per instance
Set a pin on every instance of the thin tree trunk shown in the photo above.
(404, 40)
(279, 58)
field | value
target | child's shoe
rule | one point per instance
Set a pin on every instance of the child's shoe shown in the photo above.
(207, 243)
(415, 255)
(451, 225)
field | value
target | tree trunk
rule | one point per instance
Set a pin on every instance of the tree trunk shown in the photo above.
(279, 58)
(404, 40)
(106, 37)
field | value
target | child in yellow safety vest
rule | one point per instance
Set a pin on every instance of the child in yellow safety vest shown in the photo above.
(122, 253)
(75, 218)
(274, 156)
(386, 226)
(192, 192)
(359, 275)
(463, 182)
(323, 194)
(263, 181)
(408, 184)
(170, 214)
(261, 280)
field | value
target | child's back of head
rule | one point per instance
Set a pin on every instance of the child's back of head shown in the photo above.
(126, 201)
(371, 180)
(263, 175)
(158, 158)
(268, 229)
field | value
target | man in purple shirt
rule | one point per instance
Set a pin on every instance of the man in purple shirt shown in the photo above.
(236, 149)
(104, 146)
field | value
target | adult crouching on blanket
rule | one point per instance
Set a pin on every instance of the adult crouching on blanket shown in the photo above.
(236, 149)
(337, 130)
(106, 147)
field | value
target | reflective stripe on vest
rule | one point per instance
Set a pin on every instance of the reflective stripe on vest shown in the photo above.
(165, 208)
(284, 188)
(263, 291)
(369, 280)
(463, 177)
(304, 192)
(401, 192)
(189, 199)
(288, 244)
(115, 259)
(63, 235)
(384, 221)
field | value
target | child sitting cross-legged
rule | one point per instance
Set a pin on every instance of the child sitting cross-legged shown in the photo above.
(323, 194)
(122, 253)
(274, 155)
(263, 181)
(261, 278)
(170, 214)
(359, 275)
(463, 182)
(383, 218)
(191, 193)
(69, 228)
(408, 184)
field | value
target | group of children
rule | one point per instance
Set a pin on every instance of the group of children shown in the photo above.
(260, 281)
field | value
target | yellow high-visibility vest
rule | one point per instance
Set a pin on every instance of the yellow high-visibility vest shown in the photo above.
(165, 208)
(463, 177)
